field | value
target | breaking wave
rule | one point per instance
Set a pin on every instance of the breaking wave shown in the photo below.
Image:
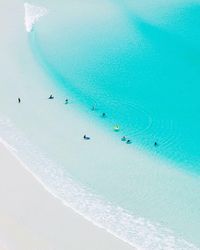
(32, 15)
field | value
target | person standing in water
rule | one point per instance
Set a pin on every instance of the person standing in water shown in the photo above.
(66, 101)
(19, 100)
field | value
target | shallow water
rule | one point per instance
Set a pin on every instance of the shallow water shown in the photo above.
(144, 75)
(142, 70)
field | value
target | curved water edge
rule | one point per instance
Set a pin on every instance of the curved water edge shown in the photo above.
(139, 69)
(140, 132)
(144, 127)
(148, 191)
(137, 231)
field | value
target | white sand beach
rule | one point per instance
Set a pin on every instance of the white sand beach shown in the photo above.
(31, 218)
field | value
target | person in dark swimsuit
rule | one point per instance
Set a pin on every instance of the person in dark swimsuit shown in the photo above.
(19, 100)
(85, 137)
(51, 97)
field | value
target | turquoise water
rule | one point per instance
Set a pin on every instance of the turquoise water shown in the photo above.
(144, 75)
(140, 65)
(136, 62)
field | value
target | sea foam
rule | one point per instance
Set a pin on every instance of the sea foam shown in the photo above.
(32, 15)
(139, 232)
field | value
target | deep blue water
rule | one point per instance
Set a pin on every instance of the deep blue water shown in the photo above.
(144, 75)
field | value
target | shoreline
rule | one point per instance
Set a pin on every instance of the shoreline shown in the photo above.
(151, 183)
(82, 229)
(13, 153)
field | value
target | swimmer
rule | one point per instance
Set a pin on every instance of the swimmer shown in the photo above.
(86, 137)
(123, 138)
(103, 115)
(155, 144)
(51, 97)
(128, 142)
(19, 100)
(66, 101)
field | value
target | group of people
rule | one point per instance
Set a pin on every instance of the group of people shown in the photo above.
(52, 97)
(85, 137)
